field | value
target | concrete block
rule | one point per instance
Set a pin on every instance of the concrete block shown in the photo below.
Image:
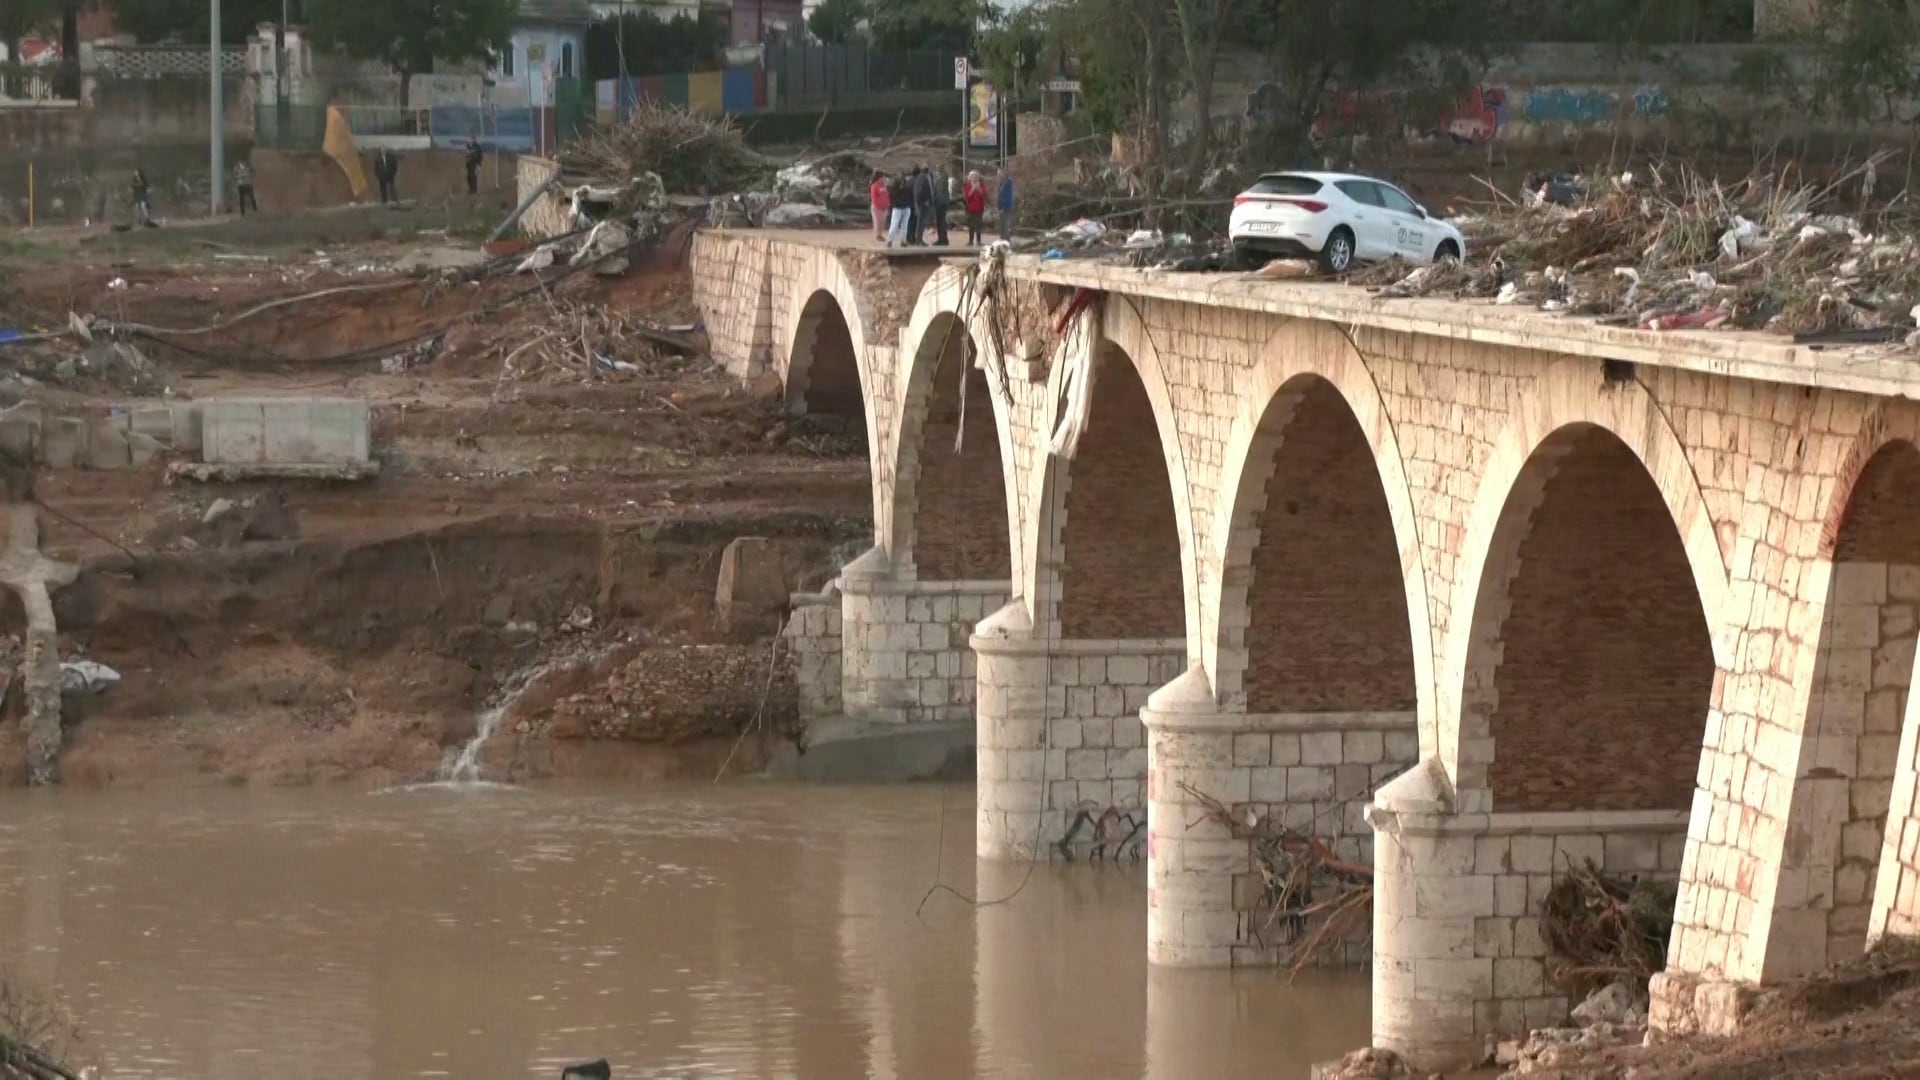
(142, 449)
(20, 438)
(1321, 748)
(153, 421)
(753, 589)
(107, 445)
(234, 433)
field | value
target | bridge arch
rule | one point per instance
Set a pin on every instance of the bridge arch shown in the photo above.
(1592, 575)
(1121, 356)
(1310, 374)
(966, 498)
(827, 359)
(1852, 817)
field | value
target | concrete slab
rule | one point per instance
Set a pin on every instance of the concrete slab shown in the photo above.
(186, 436)
(142, 448)
(844, 751)
(286, 431)
(155, 422)
(20, 437)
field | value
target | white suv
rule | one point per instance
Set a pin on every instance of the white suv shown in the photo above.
(1337, 218)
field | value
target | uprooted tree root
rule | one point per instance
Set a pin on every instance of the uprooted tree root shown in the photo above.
(38, 1037)
(1313, 900)
(1601, 928)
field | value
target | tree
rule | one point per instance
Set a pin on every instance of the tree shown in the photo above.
(1320, 49)
(652, 45)
(838, 22)
(411, 35)
(1203, 26)
(186, 20)
(942, 25)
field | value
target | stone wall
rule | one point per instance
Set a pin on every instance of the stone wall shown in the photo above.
(907, 658)
(299, 180)
(814, 638)
(1059, 732)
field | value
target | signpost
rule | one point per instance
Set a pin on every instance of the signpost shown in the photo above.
(961, 73)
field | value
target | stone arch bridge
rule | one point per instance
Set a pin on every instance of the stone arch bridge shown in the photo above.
(1482, 593)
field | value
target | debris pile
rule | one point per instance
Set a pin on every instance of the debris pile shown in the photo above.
(1679, 251)
(1600, 929)
(689, 152)
(1314, 901)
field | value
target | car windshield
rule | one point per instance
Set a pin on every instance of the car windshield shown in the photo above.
(1285, 185)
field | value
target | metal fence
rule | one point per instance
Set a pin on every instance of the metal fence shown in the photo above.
(840, 72)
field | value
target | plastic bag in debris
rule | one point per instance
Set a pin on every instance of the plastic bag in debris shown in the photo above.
(798, 214)
(538, 259)
(1282, 269)
(85, 678)
(1744, 236)
(800, 181)
(1142, 238)
(1084, 231)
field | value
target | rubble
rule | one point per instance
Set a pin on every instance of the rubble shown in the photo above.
(1676, 251)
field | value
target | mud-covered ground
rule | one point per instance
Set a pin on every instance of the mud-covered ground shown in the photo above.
(529, 507)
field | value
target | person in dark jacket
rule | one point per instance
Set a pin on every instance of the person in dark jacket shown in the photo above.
(941, 196)
(900, 204)
(142, 199)
(386, 169)
(475, 156)
(922, 204)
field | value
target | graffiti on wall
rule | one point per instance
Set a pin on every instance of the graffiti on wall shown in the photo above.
(1485, 113)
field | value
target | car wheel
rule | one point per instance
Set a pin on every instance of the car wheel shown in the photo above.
(1448, 251)
(1246, 258)
(1337, 256)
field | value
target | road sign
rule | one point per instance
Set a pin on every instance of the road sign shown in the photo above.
(960, 73)
(1063, 86)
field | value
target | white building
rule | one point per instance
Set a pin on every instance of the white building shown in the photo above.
(549, 42)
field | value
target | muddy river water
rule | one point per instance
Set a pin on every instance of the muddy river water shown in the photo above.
(689, 931)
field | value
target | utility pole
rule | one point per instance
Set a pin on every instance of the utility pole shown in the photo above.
(218, 150)
(282, 108)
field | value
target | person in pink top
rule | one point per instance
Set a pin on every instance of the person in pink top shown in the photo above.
(877, 194)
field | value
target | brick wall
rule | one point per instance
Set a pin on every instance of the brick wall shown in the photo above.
(733, 290)
(832, 386)
(1120, 576)
(960, 523)
(1606, 670)
(1327, 609)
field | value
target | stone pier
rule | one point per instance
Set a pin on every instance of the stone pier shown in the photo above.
(1476, 593)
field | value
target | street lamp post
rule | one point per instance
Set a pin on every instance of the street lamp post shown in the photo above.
(217, 106)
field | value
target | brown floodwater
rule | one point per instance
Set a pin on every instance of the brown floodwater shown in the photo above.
(693, 931)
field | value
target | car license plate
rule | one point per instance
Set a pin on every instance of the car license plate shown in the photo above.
(1262, 226)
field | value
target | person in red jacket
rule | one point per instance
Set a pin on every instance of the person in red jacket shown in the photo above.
(882, 206)
(974, 198)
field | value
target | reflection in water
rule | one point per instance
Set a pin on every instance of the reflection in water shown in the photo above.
(741, 931)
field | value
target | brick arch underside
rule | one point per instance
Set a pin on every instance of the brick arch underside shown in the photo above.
(1327, 608)
(1863, 671)
(824, 376)
(959, 529)
(1121, 574)
(1591, 655)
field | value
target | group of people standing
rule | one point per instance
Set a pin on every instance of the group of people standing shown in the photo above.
(907, 205)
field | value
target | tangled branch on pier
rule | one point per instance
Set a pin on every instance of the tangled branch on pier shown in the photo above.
(37, 1036)
(1115, 833)
(1312, 900)
(1601, 928)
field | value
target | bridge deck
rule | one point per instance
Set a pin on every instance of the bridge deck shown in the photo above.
(1747, 355)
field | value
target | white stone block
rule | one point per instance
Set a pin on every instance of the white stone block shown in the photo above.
(1363, 747)
(1321, 748)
